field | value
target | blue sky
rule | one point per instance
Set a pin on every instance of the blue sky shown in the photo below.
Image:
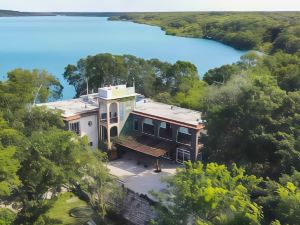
(151, 5)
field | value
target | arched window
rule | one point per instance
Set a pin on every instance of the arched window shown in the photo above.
(113, 132)
(113, 112)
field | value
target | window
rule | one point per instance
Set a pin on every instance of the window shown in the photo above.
(182, 155)
(136, 125)
(184, 136)
(90, 123)
(91, 144)
(103, 116)
(114, 132)
(75, 127)
(148, 127)
(165, 130)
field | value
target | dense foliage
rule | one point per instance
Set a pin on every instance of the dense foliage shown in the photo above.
(268, 32)
(281, 200)
(255, 112)
(37, 156)
(23, 89)
(214, 194)
(6, 217)
(209, 195)
(176, 83)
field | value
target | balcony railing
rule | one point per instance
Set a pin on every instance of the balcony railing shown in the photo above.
(111, 120)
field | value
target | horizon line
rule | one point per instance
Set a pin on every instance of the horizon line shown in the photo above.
(173, 11)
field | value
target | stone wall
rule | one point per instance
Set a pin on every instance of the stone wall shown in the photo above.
(135, 208)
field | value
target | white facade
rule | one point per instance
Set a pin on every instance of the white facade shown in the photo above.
(88, 126)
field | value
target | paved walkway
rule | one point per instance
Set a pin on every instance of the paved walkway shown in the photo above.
(8, 207)
(141, 177)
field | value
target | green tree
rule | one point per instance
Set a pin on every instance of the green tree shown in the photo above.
(250, 116)
(6, 217)
(281, 200)
(220, 75)
(52, 159)
(210, 194)
(191, 93)
(40, 119)
(286, 68)
(98, 184)
(9, 166)
(37, 157)
(25, 88)
(179, 71)
(10, 141)
(150, 77)
(289, 204)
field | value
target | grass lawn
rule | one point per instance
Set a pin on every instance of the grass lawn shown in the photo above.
(62, 206)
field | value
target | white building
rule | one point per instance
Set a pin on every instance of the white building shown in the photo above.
(151, 128)
(81, 114)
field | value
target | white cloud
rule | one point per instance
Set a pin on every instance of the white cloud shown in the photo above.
(151, 5)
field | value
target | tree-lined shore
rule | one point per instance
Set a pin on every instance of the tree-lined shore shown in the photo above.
(263, 31)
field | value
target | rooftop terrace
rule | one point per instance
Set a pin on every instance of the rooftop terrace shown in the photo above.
(72, 107)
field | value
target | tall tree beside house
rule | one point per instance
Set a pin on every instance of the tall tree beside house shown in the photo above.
(52, 159)
(37, 156)
(191, 93)
(40, 119)
(208, 194)
(22, 89)
(251, 115)
(107, 69)
(98, 184)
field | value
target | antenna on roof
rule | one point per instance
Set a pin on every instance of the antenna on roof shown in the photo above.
(87, 86)
(133, 82)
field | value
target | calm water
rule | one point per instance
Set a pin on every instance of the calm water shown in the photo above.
(53, 42)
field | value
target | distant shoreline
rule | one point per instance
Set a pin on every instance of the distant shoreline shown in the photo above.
(11, 13)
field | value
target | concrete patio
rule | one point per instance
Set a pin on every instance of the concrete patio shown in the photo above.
(137, 172)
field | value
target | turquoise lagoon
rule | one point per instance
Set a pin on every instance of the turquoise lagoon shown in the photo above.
(51, 43)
